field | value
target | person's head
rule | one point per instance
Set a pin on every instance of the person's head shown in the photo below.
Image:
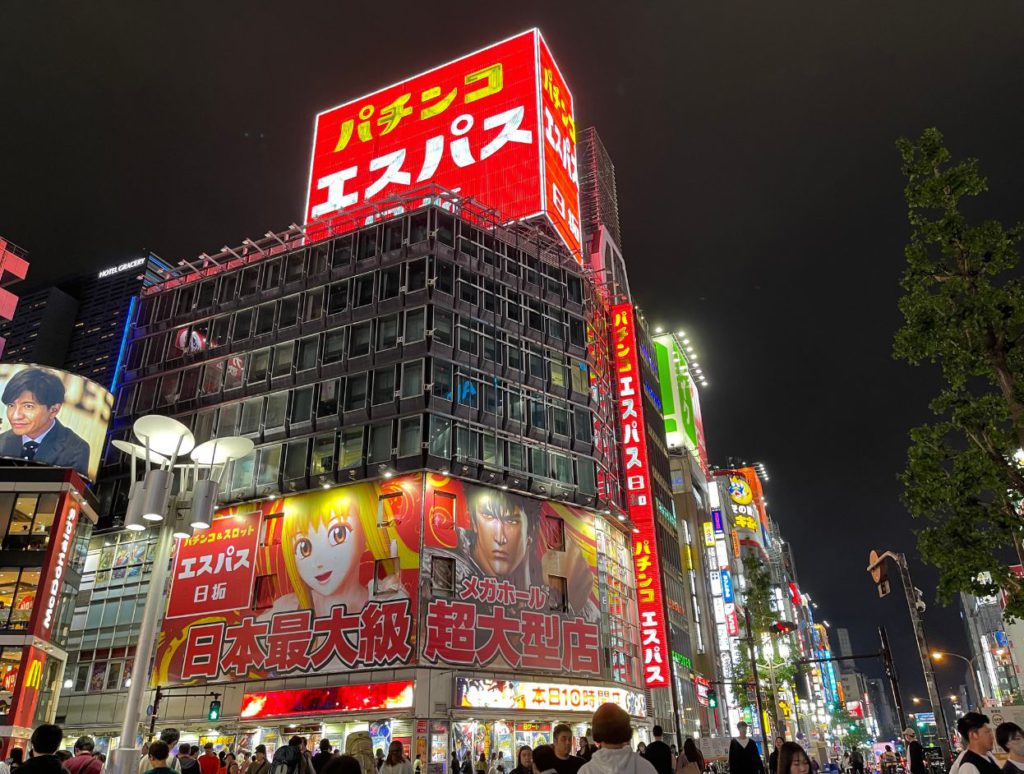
(793, 759)
(296, 741)
(101, 757)
(742, 728)
(418, 756)
(657, 732)
(483, 757)
(544, 758)
(325, 746)
(46, 739)
(158, 753)
(693, 753)
(501, 528)
(779, 741)
(888, 748)
(208, 748)
(396, 753)
(84, 744)
(342, 764)
(611, 726)
(33, 398)
(640, 747)
(562, 736)
(1010, 737)
(975, 731)
(379, 753)
(17, 755)
(260, 753)
(525, 758)
(229, 758)
(324, 538)
(170, 736)
(63, 755)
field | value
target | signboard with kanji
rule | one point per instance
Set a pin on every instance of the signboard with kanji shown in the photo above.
(629, 401)
(546, 697)
(335, 587)
(496, 125)
(514, 581)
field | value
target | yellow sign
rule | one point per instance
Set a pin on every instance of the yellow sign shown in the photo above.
(34, 678)
(709, 535)
(739, 491)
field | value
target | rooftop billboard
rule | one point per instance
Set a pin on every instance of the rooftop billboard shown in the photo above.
(496, 125)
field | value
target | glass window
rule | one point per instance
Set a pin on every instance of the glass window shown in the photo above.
(168, 392)
(227, 421)
(277, 407)
(561, 468)
(271, 274)
(302, 405)
(189, 383)
(342, 252)
(557, 369)
(515, 405)
(586, 475)
(538, 461)
(412, 378)
(269, 466)
(213, 376)
(228, 287)
(355, 392)
(359, 340)
(442, 575)
(323, 454)
(416, 275)
(251, 410)
(334, 345)
(314, 306)
(514, 309)
(383, 385)
(243, 325)
(492, 451)
(409, 436)
(538, 414)
(307, 353)
(350, 449)
(327, 402)
(442, 333)
(442, 379)
(235, 371)
(289, 314)
(259, 363)
(295, 459)
(514, 354)
(558, 599)
(221, 326)
(283, 359)
(467, 341)
(387, 332)
(380, 443)
(264, 319)
(577, 331)
(337, 299)
(295, 266)
(445, 277)
(206, 293)
(516, 456)
(582, 425)
(554, 533)
(415, 323)
(390, 283)
(363, 290)
(440, 441)
(560, 420)
(387, 576)
(203, 429)
(467, 443)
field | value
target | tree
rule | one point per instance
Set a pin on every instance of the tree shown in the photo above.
(963, 309)
(850, 731)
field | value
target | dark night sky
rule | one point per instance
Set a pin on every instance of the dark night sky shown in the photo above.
(759, 186)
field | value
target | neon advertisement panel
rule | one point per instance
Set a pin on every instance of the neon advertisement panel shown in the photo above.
(629, 402)
(496, 125)
(556, 697)
(321, 701)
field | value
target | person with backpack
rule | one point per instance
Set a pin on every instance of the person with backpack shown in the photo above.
(292, 758)
(260, 764)
(83, 761)
(170, 737)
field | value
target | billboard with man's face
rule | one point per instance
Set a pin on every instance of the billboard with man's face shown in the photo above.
(53, 417)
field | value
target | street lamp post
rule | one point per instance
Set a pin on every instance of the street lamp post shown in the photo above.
(151, 499)
(938, 655)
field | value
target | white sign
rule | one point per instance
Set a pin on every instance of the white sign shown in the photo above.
(555, 697)
(122, 267)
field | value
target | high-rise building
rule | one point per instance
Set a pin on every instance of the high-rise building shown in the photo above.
(13, 268)
(79, 323)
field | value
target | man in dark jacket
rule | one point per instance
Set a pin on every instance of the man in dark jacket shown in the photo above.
(33, 398)
(744, 757)
(321, 758)
(659, 754)
(44, 743)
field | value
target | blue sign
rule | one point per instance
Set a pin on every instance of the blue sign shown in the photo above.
(926, 717)
(727, 586)
(1001, 639)
(716, 521)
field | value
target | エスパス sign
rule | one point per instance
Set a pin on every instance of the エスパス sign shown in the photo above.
(496, 125)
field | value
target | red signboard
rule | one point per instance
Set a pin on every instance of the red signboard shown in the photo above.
(58, 554)
(28, 687)
(316, 701)
(214, 569)
(473, 125)
(629, 399)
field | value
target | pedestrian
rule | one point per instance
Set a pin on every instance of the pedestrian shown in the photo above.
(641, 748)
(793, 759)
(976, 735)
(694, 758)
(659, 754)
(915, 752)
(323, 756)
(159, 754)
(260, 764)
(524, 761)
(170, 737)
(243, 762)
(186, 759)
(585, 750)
(417, 766)
(612, 730)
(396, 762)
(83, 761)
(544, 759)
(743, 755)
(453, 766)
(1010, 737)
(342, 764)
(480, 767)
(773, 759)
(856, 761)
(209, 763)
(17, 759)
(467, 763)
(230, 764)
(44, 743)
(566, 763)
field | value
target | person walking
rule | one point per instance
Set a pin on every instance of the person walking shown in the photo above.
(976, 735)
(159, 753)
(396, 762)
(566, 762)
(323, 756)
(793, 759)
(1010, 737)
(44, 743)
(467, 763)
(743, 755)
(658, 753)
(915, 752)
(209, 763)
(773, 759)
(613, 732)
(692, 757)
(170, 737)
(524, 761)
(83, 761)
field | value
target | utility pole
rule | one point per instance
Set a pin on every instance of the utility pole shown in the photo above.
(915, 606)
(890, 672)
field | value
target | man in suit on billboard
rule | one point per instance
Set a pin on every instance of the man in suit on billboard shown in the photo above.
(33, 398)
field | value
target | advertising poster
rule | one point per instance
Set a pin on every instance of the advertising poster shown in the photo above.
(546, 697)
(329, 585)
(53, 417)
(471, 126)
(513, 581)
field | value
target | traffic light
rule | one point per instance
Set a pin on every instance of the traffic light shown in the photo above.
(783, 627)
(712, 698)
(214, 711)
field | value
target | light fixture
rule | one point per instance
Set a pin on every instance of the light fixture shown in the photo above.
(204, 498)
(659, 329)
(133, 514)
(326, 486)
(68, 683)
(388, 474)
(157, 494)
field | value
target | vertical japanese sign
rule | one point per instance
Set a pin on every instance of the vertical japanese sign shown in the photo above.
(215, 568)
(653, 638)
(474, 126)
(514, 581)
(335, 587)
(58, 555)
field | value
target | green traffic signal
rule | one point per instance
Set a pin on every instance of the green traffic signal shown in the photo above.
(214, 712)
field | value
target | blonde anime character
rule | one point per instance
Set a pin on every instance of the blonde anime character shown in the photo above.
(325, 539)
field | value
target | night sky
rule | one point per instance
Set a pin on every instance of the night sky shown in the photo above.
(758, 181)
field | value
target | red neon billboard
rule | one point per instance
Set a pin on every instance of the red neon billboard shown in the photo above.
(496, 125)
(318, 701)
(629, 400)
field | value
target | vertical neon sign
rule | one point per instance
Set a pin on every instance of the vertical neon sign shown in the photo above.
(629, 400)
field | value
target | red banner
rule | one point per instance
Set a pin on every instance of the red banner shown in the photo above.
(471, 126)
(58, 554)
(215, 568)
(523, 581)
(336, 587)
(28, 687)
(561, 179)
(653, 638)
(314, 701)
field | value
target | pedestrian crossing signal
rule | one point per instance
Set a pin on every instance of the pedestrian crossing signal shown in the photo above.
(712, 699)
(214, 712)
